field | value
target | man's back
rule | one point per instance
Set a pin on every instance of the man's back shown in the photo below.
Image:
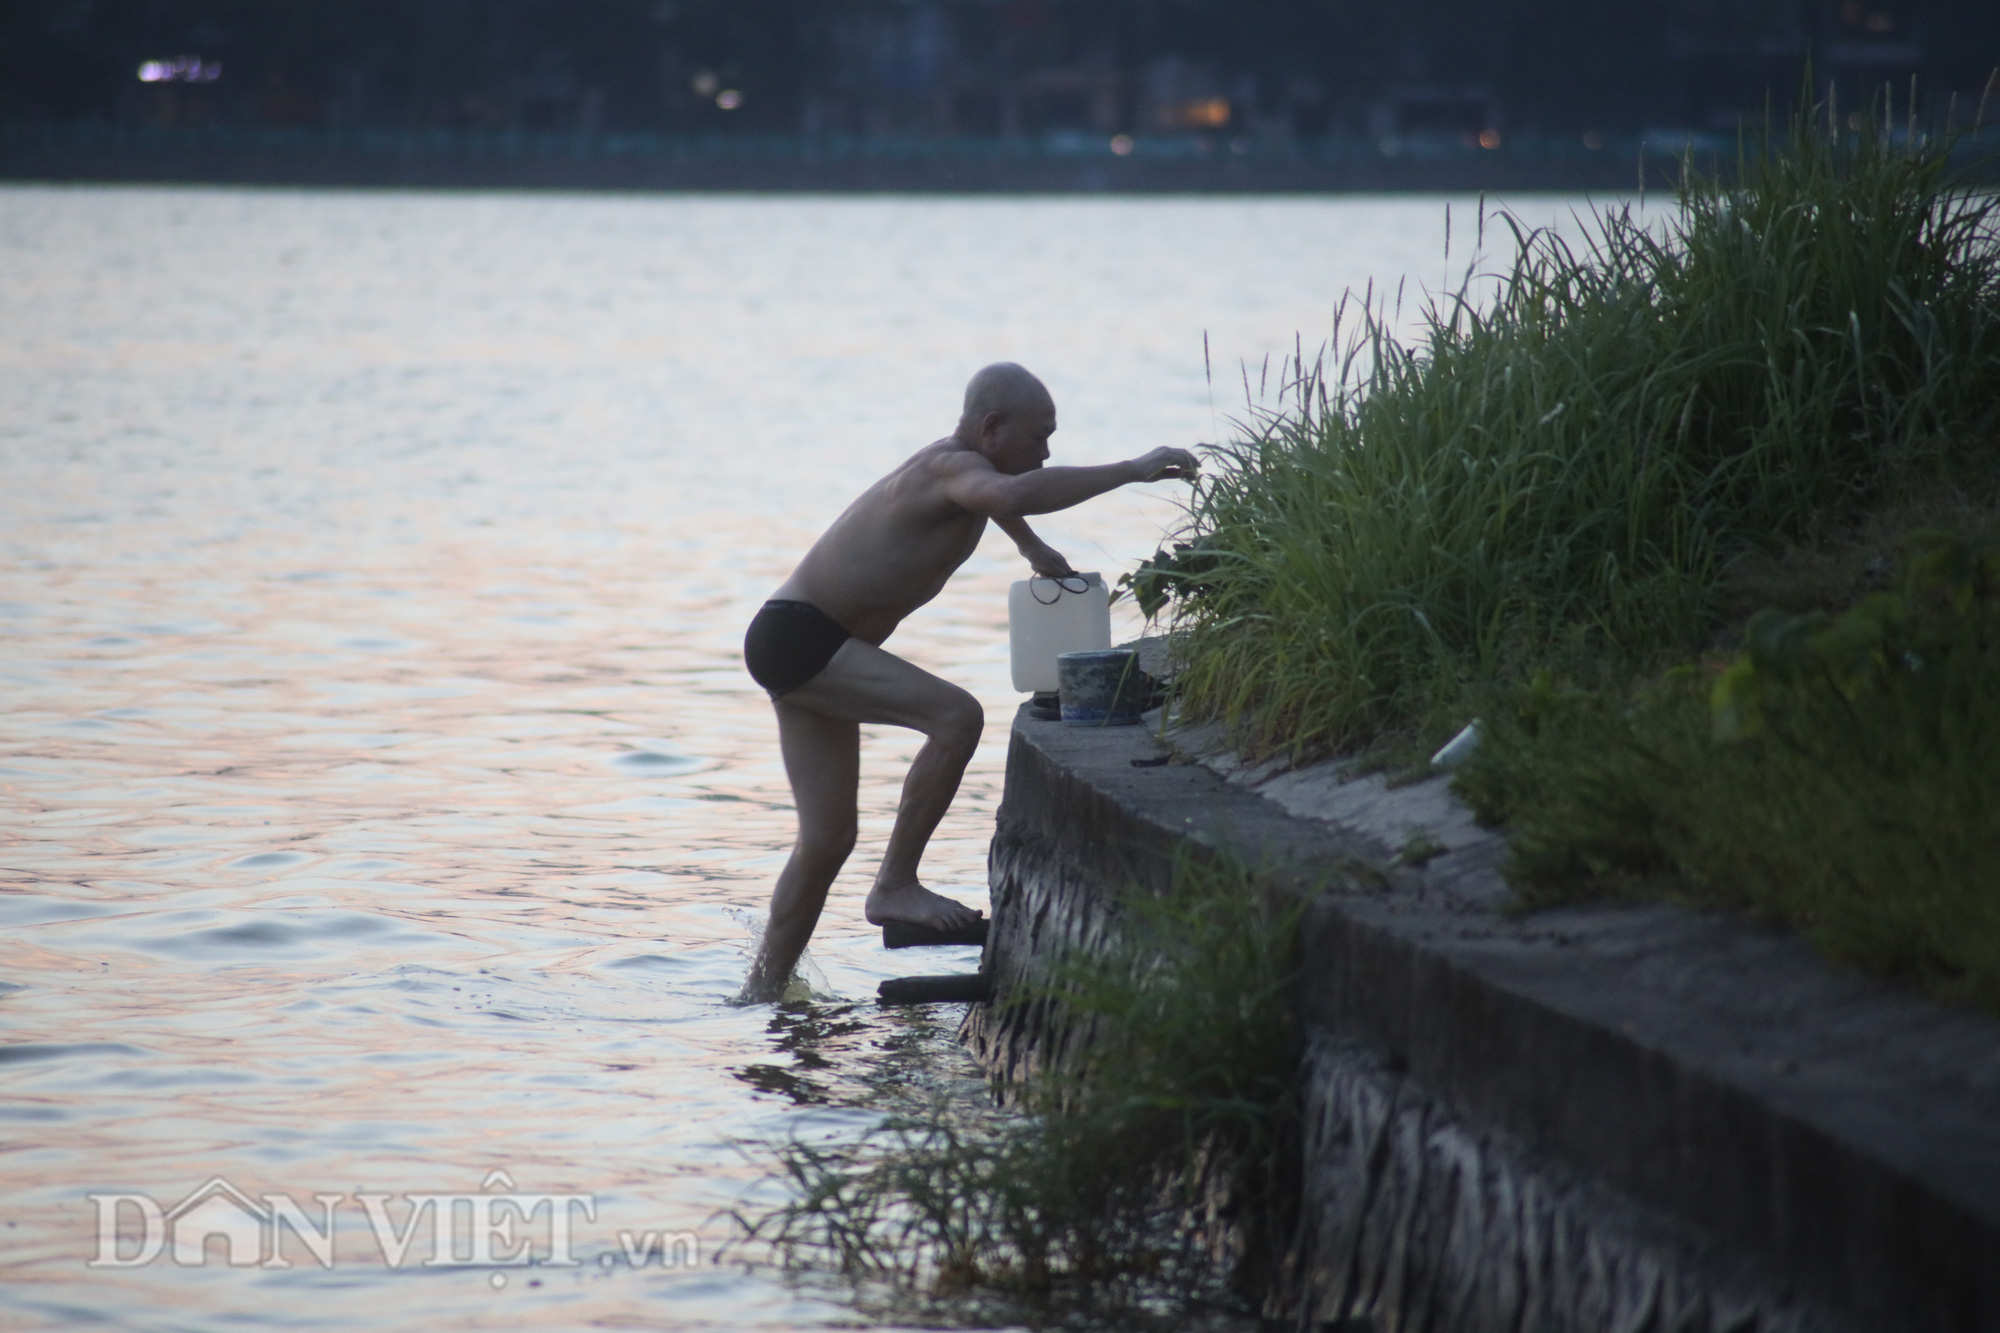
(893, 549)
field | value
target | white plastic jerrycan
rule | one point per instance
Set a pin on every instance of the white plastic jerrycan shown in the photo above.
(1050, 616)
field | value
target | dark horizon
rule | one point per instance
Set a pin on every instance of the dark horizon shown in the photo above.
(1278, 71)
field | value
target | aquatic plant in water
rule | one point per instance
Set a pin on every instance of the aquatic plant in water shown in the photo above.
(1117, 1187)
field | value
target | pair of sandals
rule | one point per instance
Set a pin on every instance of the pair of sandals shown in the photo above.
(957, 988)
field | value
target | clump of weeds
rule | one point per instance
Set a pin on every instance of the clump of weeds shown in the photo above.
(1127, 1185)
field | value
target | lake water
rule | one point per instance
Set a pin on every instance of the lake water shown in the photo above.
(382, 801)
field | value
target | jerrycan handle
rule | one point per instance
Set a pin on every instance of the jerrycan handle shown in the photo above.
(1062, 582)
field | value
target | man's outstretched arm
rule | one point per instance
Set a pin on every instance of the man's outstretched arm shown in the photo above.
(975, 484)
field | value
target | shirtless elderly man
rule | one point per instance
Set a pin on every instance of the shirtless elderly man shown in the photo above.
(816, 646)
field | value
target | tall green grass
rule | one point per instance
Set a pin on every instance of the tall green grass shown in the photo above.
(1558, 474)
(1116, 1184)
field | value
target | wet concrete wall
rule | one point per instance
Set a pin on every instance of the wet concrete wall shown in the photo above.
(1605, 1118)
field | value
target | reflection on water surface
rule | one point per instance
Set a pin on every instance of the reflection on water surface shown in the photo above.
(385, 806)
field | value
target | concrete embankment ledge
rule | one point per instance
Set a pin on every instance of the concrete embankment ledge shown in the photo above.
(1606, 1117)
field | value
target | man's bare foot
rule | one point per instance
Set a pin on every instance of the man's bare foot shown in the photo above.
(760, 989)
(916, 905)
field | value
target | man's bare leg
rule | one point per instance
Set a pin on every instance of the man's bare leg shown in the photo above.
(928, 790)
(863, 683)
(822, 760)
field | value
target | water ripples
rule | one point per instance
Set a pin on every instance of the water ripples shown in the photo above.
(384, 802)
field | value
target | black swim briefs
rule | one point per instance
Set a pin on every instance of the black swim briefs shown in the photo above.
(789, 643)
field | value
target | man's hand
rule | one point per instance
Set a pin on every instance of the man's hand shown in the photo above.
(1043, 558)
(1046, 561)
(1167, 462)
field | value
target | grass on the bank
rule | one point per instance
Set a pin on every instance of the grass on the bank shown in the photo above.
(1839, 774)
(1560, 476)
(1559, 512)
(1107, 1186)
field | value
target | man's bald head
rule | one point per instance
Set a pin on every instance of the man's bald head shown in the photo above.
(1004, 389)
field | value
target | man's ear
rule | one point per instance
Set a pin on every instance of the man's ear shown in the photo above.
(988, 424)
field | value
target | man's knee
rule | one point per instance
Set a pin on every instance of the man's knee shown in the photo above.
(824, 843)
(819, 862)
(961, 722)
(837, 839)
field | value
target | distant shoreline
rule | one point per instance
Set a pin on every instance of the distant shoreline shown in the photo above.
(1056, 164)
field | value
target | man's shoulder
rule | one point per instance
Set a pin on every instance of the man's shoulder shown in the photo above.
(947, 456)
(942, 463)
(925, 481)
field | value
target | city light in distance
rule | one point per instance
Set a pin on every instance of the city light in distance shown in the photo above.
(1212, 112)
(181, 69)
(708, 84)
(1121, 144)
